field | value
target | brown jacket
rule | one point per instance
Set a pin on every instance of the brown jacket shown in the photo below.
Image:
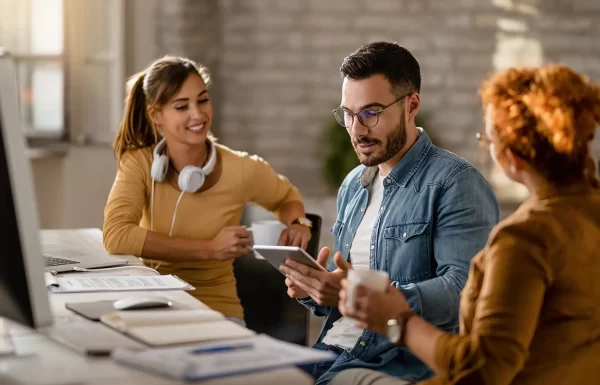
(530, 310)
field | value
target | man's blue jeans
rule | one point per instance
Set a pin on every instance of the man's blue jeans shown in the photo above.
(317, 370)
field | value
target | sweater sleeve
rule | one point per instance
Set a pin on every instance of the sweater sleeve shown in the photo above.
(122, 232)
(262, 185)
(516, 276)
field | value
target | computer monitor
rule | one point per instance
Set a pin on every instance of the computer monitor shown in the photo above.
(23, 293)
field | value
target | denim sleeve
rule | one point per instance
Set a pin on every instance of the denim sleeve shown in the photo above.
(316, 309)
(466, 212)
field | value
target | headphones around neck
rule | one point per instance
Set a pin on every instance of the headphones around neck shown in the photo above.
(191, 178)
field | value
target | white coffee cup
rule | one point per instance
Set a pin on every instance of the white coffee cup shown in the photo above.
(373, 279)
(266, 232)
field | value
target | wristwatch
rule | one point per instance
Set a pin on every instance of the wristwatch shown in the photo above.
(303, 221)
(396, 326)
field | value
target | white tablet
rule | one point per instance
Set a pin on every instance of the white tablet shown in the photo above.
(276, 256)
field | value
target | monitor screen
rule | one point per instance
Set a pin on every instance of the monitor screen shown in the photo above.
(23, 293)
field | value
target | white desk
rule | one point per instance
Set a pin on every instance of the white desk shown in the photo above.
(55, 364)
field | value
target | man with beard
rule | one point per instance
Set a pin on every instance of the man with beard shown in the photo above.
(411, 209)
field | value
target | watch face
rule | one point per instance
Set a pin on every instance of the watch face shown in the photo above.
(394, 331)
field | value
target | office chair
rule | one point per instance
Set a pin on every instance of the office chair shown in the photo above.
(263, 293)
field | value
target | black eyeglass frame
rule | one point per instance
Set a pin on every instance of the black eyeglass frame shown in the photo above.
(357, 114)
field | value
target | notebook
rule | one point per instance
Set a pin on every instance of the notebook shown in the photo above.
(221, 359)
(168, 327)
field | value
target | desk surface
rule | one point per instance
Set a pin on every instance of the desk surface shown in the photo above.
(43, 361)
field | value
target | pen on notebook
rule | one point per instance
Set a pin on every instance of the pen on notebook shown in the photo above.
(223, 348)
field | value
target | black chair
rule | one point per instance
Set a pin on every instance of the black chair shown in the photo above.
(267, 307)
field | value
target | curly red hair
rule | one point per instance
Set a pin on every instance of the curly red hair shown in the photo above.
(548, 116)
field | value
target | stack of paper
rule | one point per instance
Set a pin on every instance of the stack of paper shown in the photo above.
(203, 362)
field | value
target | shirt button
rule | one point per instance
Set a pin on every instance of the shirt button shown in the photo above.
(381, 209)
(404, 235)
(363, 343)
(372, 247)
(387, 180)
(362, 209)
(347, 245)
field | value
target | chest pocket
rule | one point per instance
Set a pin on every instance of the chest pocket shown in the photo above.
(407, 253)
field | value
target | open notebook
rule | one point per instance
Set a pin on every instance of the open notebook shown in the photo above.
(171, 327)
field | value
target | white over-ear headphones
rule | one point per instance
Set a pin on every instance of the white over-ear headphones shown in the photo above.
(191, 178)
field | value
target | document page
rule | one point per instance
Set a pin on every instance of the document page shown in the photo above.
(83, 284)
(221, 359)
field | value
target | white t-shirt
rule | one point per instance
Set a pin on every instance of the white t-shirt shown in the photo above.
(344, 333)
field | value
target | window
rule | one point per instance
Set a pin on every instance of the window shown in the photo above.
(32, 30)
(71, 58)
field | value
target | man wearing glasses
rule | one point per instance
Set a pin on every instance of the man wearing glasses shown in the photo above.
(411, 209)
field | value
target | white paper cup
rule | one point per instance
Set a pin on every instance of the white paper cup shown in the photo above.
(373, 279)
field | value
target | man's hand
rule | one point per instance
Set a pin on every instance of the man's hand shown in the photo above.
(293, 291)
(323, 287)
(295, 235)
(372, 309)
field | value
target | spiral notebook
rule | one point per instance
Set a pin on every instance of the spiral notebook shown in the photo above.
(221, 359)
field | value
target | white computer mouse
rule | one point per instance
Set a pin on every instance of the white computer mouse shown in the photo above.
(136, 303)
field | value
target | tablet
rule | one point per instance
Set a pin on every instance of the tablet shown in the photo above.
(276, 255)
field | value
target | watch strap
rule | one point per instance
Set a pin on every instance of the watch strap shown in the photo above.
(302, 221)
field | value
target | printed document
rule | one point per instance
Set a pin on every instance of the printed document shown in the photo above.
(85, 284)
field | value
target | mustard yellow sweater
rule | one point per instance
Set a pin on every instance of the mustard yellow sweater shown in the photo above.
(200, 216)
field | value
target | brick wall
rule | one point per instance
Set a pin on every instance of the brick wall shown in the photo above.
(276, 62)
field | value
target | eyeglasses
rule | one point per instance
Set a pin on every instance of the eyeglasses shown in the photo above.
(483, 139)
(368, 117)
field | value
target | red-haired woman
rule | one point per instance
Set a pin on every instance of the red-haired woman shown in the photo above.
(530, 311)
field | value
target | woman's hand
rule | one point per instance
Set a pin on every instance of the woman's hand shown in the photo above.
(372, 309)
(230, 243)
(295, 235)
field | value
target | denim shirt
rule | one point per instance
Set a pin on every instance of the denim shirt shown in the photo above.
(436, 214)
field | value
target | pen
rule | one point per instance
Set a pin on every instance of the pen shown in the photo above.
(218, 349)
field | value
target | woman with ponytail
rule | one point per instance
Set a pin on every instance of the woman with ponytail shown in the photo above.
(178, 196)
(530, 310)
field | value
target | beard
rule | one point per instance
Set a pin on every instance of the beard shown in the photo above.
(394, 143)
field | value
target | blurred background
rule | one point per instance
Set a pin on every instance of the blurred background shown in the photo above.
(275, 66)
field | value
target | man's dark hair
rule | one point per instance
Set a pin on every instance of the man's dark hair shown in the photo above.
(389, 59)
